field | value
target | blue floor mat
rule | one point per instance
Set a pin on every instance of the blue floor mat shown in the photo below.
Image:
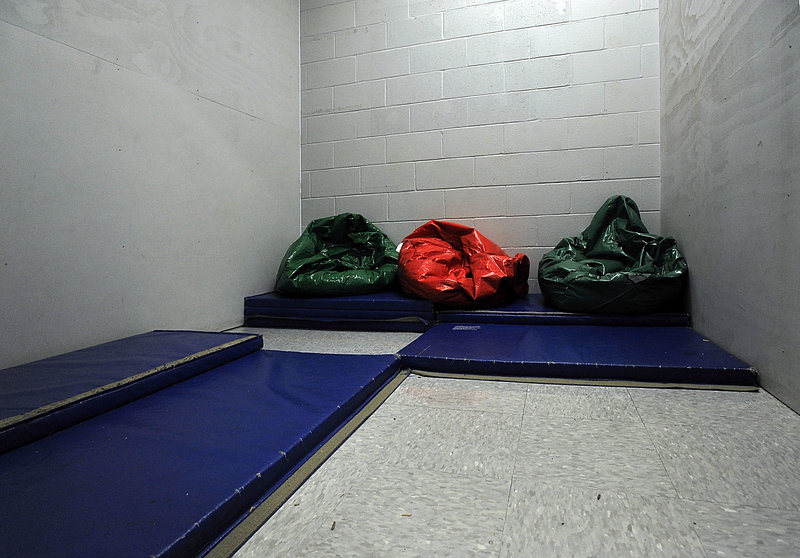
(168, 473)
(44, 396)
(533, 311)
(635, 354)
(384, 311)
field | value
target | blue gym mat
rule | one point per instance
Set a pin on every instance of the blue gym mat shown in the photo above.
(169, 473)
(42, 397)
(533, 311)
(675, 355)
(384, 311)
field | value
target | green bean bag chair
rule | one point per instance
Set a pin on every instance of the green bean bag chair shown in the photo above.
(614, 267)
(335, 256)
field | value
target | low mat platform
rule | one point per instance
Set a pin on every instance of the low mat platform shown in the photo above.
(168, 474)
(671, 355)
(533, 311)
(384, 311)
(42, 397)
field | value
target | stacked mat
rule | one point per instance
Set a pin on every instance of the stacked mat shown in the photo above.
(165, 472)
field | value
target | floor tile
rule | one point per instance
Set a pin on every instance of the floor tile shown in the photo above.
(731, 466)
(289, 527)
(716, 408)
(745, 532)
(592, 453)
(587, 402)
(332, 342)
(547, 520)
(468, 395)
(406, 513)
(472, 443)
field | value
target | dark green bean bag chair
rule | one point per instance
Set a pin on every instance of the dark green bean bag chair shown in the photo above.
(340, 255)
(614, 267)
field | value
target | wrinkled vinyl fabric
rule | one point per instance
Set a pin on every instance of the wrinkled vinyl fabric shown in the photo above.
(456, 265)
(614, 267)
(340, 255)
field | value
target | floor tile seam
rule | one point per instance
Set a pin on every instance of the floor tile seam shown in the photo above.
(612, 487)
(441, 408)
(635, 420)
(738, 505)
(660, 456)
(385, 462)
(513, 474)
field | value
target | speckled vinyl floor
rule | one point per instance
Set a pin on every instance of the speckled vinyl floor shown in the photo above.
(449, 467)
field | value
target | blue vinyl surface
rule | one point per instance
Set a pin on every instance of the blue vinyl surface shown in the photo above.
(532, 310)
(168, 473)
(647, 354)
(384, 311)
(44, 396)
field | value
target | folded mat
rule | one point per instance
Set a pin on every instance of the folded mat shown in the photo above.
(675, 355)
(170, 472)
(47, 395)
(384, 311)
(533, 310)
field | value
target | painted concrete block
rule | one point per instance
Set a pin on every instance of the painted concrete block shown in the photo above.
(414, 31)
(538, 73)
(579, 100)
(566, 38)
(444, 173)
(475, 80)
(606, 65)
(414, 88)
(329, 127)
(634, 161)
(316, 208)
(329, 18)
(582, 9)
(439, 56)
(359, 40)
(385, 63)
(632, 29)
(503, 107)
(352, 153)
(414, 147)
(475, 202)
(649, 127)
(396, 177)
(316, 156)
(438, 115)
(423, 206)
(374, 207)
(475, 140)
(635, 94)
(376, 11)
(316, 101)
(330, 72)
(530, 13)
(335, 182)
(363, 95)
(383, 121)
(316, 48)
(538, 199)
(473, 20)
(499, 47)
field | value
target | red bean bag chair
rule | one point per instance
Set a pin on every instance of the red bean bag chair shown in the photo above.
(455, 265)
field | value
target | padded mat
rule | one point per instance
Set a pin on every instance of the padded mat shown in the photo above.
(532, 310)
(170, 472)
(44, 396)
(638, 354)
(384, 311)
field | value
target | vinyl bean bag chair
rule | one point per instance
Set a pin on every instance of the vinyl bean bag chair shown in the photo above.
(455, 265)
(335, 256)
(614, 267)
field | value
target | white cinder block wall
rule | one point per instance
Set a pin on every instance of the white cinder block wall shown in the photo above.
(518, 117)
